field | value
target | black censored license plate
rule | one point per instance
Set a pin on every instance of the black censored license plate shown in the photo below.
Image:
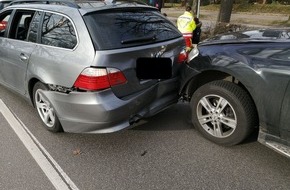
(154, 68)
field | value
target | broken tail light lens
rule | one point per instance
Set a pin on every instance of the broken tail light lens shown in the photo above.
(3, 25)
(182, 57)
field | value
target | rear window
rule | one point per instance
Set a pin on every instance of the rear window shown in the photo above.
(120, 29)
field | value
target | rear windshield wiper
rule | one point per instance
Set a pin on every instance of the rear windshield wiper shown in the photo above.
(141, 39)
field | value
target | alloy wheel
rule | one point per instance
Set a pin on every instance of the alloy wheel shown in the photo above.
(45, 110)
(217, 116)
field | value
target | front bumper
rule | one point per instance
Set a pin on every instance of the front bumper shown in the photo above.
(103, 112)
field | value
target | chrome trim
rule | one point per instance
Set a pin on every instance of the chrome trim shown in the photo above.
(272, 143)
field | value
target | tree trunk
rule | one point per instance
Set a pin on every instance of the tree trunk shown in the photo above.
(224, 16)
(225, 11)
(193, 4)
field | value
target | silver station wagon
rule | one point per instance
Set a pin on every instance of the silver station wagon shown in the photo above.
(90, 67)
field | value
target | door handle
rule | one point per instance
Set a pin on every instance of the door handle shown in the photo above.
(23, 57)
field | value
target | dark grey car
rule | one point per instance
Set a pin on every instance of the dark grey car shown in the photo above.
(78, 63)
(237, 82)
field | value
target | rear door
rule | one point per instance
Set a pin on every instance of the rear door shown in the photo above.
(16, 50)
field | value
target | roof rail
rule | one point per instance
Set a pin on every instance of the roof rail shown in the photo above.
(111, 1)
(92, 3)
(74, 3)
(69, 3)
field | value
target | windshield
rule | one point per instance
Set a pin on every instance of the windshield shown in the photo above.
(127, 28)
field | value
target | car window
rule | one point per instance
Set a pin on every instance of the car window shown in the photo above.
(4, 18)
(58, 31)
(20, 24)
(127, 28)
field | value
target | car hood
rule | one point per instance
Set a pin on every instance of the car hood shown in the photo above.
(260, 35)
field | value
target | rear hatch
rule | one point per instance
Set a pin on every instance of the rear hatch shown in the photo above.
(122, 37)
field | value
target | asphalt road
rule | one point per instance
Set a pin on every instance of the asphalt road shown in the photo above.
(166, 152)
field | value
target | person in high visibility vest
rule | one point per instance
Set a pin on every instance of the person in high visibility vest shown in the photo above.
(186, 25)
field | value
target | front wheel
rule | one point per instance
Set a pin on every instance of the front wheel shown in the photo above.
(44, 108)
(223, 112)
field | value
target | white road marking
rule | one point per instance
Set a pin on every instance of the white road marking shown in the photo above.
(49, 166)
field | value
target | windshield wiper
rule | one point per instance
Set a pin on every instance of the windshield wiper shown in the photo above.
(141, 39)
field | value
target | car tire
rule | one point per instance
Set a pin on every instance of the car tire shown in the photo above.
(44, 109)
(223, 112)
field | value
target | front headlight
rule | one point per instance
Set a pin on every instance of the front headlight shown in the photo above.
(192, 54)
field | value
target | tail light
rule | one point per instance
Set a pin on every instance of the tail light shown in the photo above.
(182, 56)
(116, 77)
(3, 25)
(99, 79)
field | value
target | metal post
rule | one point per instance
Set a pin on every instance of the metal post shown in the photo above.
(197, 8)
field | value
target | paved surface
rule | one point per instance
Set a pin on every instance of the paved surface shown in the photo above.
(164, 153)
(18, 169)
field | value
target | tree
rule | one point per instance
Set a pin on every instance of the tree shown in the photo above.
(225, 11)
(193, 4)
(224, 16)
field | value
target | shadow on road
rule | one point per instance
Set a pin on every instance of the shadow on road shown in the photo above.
(177, 117)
